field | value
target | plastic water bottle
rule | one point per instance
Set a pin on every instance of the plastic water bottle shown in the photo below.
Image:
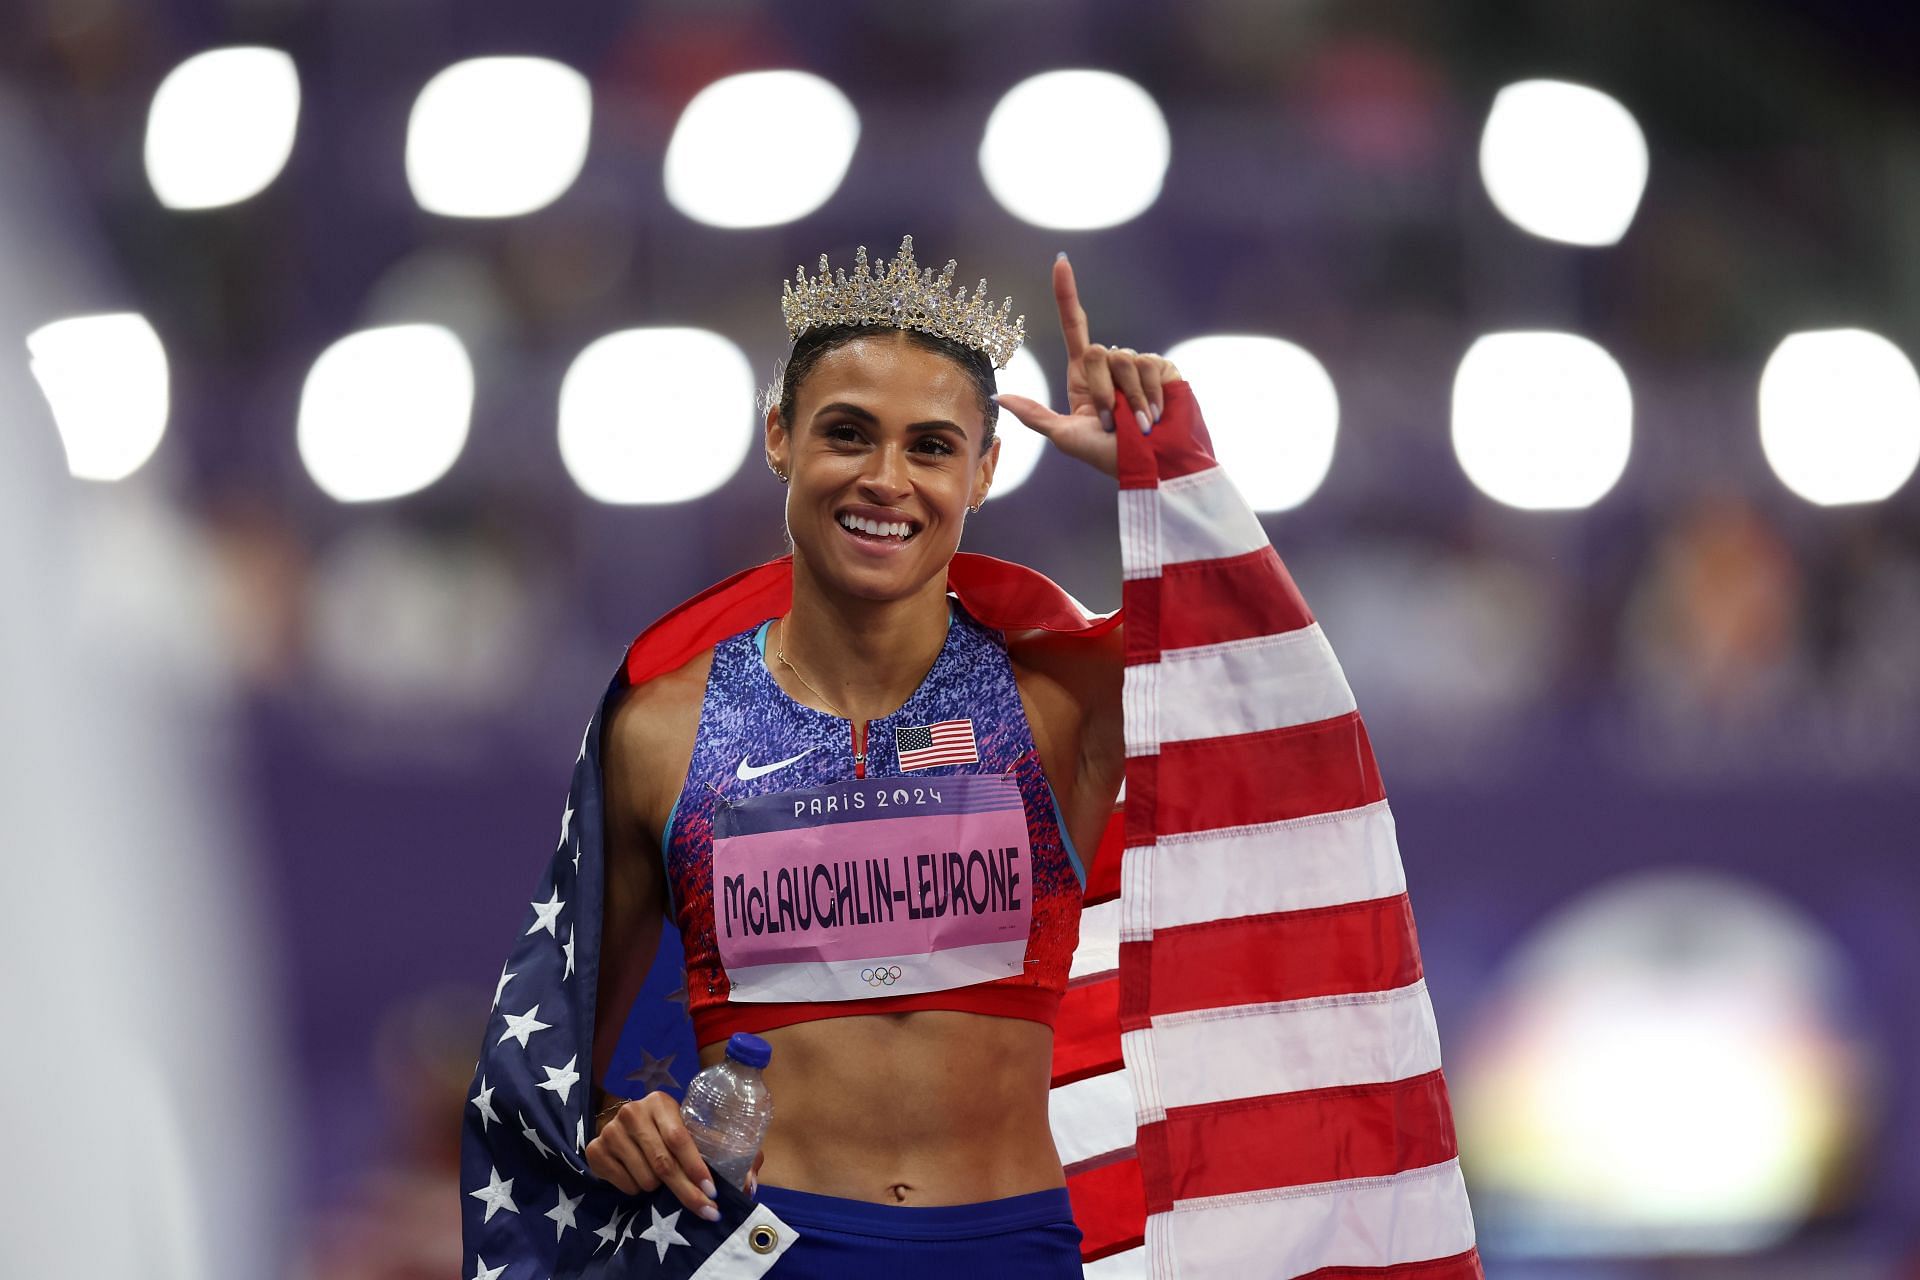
(728, 1108)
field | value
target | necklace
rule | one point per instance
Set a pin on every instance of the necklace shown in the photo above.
(781, 653)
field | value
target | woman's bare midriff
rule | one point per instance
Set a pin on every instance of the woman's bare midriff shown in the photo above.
(926, 1107)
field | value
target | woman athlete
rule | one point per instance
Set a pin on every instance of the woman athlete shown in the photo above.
(885, 438)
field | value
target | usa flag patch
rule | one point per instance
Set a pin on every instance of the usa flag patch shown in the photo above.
(922, 746)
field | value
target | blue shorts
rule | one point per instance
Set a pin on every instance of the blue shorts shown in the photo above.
(1029, 1237)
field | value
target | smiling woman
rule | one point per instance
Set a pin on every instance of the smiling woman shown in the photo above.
(868, 790)
(887, 449)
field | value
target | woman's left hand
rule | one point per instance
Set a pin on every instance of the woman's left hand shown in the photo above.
(1094, 373)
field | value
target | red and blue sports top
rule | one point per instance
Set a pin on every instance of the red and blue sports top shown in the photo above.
(935, 873)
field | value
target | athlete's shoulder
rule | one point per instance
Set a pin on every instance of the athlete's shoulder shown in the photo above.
(655, 722)
(649, 742)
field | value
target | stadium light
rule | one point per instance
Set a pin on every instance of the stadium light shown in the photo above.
(221, 127)
(1272, 411)
(759, 149)
(1020, 447)
(1564, 161)
(498, 137)
(1840, 416)
(106, 379)
(1044, 118)
(656, 415)
(1541, 421)
(1626, 1095)
(385, 412)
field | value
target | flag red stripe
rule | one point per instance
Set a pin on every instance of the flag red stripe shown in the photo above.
(1143, 791)
(1302, 1138)
(1461, 1266)
(1109, 1207)
(1140, 604)
(1103, 873)
(1248, 778)
(1289, 955)
(1213, 601)
(1179, 445)
(1086, 1030)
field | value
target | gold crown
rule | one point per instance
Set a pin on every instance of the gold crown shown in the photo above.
(904, 296)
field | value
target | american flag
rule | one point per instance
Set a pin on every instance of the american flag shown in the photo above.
(1246, 1071)
(1246, 1076)
(922, 746)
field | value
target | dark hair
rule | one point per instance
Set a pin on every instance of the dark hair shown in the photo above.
(814, 344)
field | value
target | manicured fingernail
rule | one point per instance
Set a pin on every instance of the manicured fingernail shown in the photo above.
(710, 1213)
(1146, 423)
(1106, 420)
(706, 1185)
(1156, 413)
(1060, 256)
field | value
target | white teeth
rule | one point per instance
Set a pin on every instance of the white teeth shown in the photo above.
(874, 528)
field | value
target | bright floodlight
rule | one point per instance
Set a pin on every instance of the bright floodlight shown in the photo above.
(1564, 161)
(1020, 446)
(1271, 410)
(221, 127)
(497, 137)
(1663, 1068)
(385, 412)
(759, 149)
(1541, 421)
(106, 379)
(656, 415)
(1047, 117)
(1840, 416)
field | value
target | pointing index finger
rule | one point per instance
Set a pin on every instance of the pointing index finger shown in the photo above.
(1073, 317)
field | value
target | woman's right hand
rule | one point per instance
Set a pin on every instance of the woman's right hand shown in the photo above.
(646, 1143)
(1094, 374)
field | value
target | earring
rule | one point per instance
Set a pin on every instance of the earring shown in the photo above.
(777, 471)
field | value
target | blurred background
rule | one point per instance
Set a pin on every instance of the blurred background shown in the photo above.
(373, 372)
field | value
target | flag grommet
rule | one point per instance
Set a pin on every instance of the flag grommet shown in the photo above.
(763, 1239)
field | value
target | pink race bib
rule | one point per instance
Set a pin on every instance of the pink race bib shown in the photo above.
(872, 887)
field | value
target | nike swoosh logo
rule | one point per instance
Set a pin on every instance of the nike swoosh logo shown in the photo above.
(748, 772)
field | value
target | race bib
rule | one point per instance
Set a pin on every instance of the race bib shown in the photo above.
(872, 887)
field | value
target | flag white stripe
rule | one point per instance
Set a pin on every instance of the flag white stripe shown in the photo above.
(1139, 533)
(1130, 1264)
(1242, 686)
(1099, 946)
(1203, 517)
(1414, 1216)
(1136, 892)
(1140, 708)
(1143, 1074)
(1252, 1050)
(1091, 1117)
(1319, 861)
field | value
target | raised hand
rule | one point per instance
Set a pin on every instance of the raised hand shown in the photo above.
(1094, 373)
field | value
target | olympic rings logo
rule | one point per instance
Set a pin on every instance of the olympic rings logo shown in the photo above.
(885, 976)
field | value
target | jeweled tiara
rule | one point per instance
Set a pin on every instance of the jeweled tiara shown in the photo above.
(904, 296)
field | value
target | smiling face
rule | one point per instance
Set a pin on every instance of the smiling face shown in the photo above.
(884, 458)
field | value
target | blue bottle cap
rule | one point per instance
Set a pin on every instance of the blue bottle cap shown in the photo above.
(749, 1050)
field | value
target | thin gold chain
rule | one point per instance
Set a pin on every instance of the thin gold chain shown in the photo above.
(781, 654)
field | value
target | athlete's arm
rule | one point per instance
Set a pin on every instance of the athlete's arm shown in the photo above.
(1070, 689)
(648, 743)
(1073, 687)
